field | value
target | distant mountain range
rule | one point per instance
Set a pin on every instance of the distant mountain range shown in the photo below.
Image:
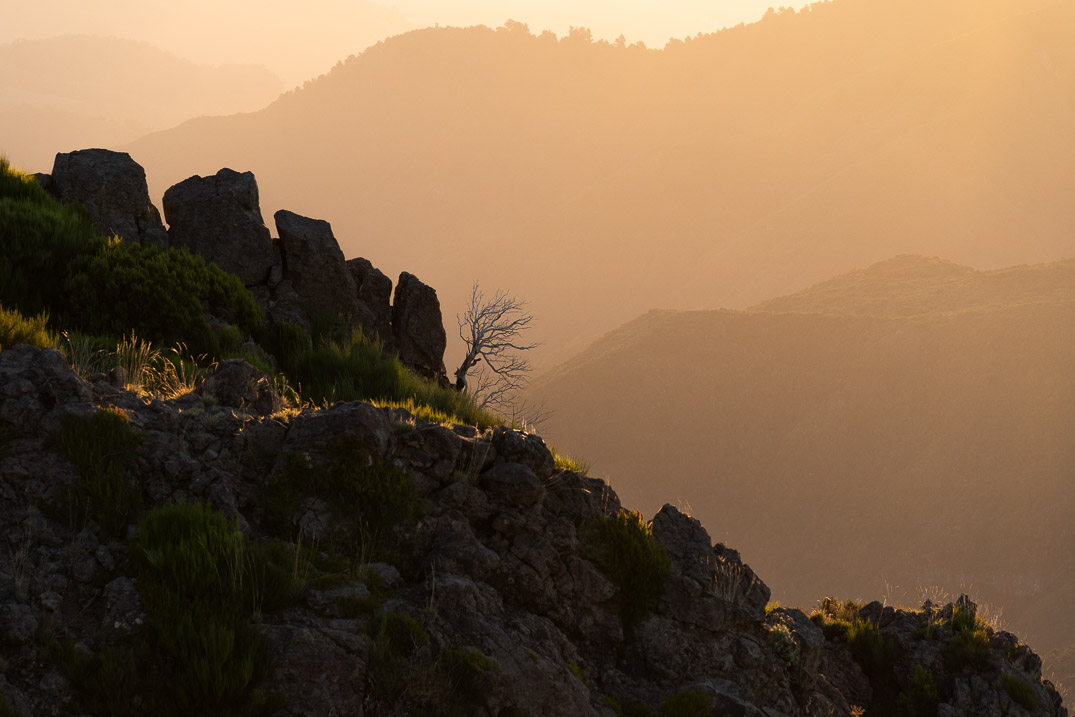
(599, 181)
(890, 430)
(78, 91)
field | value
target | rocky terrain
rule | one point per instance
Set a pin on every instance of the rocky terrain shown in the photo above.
(504, 564)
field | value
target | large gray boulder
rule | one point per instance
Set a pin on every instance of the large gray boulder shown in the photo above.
(219, 218)
(313, 263)
(113, 187)
(374, 301)
(418, 328)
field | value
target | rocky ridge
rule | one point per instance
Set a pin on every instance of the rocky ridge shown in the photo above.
(299, 277)
(500, 565)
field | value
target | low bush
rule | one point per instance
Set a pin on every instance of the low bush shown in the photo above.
(691, 702)
(922, 698)
(869, 647)
(624, 548)
(100, 446)
(198, 591)
(394, 637)
(835, 617)
(367, 496)
(626, 706)
(464, 668)
(969, 646)
(1019, 690)
(162, 295)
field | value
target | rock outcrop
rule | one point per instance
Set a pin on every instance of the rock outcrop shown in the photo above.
(374, 305)
(298, 277)
(314, 265)
(418, 328)
(219, 217)
(113, 188)
(498, 601)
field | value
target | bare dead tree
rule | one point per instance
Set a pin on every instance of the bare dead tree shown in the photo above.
(493, 370)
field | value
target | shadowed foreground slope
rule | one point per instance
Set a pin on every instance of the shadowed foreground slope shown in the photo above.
(199, 555)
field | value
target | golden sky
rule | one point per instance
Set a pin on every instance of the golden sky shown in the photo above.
(300, 40)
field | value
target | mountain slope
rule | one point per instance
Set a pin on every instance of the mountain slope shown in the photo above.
(716, 172)
(938, 443)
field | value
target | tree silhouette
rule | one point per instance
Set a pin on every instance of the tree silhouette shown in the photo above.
(493, 369)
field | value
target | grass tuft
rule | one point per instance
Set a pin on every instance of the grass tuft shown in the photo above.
(17, 329)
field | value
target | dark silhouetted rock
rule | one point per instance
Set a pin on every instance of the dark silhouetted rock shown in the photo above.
(314, 264)
(237, 384)
(418, 327)
(113, 187)
(219, 218)
(373, 310)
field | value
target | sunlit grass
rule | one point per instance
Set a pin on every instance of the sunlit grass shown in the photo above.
(17, 329)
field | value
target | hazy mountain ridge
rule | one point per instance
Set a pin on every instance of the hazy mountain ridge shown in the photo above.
(937, 441)
(68, 92)
(908, 286)
(724, 170)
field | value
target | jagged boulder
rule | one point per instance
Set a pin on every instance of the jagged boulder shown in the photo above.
(374, 299)
(237, 384)
(418, 328)
(313, 263)
(113, 187)
(219, 217)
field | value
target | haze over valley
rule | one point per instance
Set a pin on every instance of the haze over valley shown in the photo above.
(599, 182)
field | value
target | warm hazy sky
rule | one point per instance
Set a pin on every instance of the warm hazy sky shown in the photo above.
(299, 40)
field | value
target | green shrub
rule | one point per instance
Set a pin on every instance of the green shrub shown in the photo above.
(1019, 690)
(327, 369)
(835, 617)
(869, 647)
(464, 667)
(39, 240)
(691, 702)
(969, 646)
(162, 295)
(394, 637)
(922, 698)
(99, 446)
(368, 497)
(52, 259)
(624, 548)
(964, 617)
(626, 706)
(109, 683)
(19, 186)
(17, 329)
(198, 591)
(566, 463)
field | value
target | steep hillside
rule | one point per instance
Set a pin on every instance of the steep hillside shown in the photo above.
(203, 555)
(715, 172)
(78, 91)
(938, 443)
